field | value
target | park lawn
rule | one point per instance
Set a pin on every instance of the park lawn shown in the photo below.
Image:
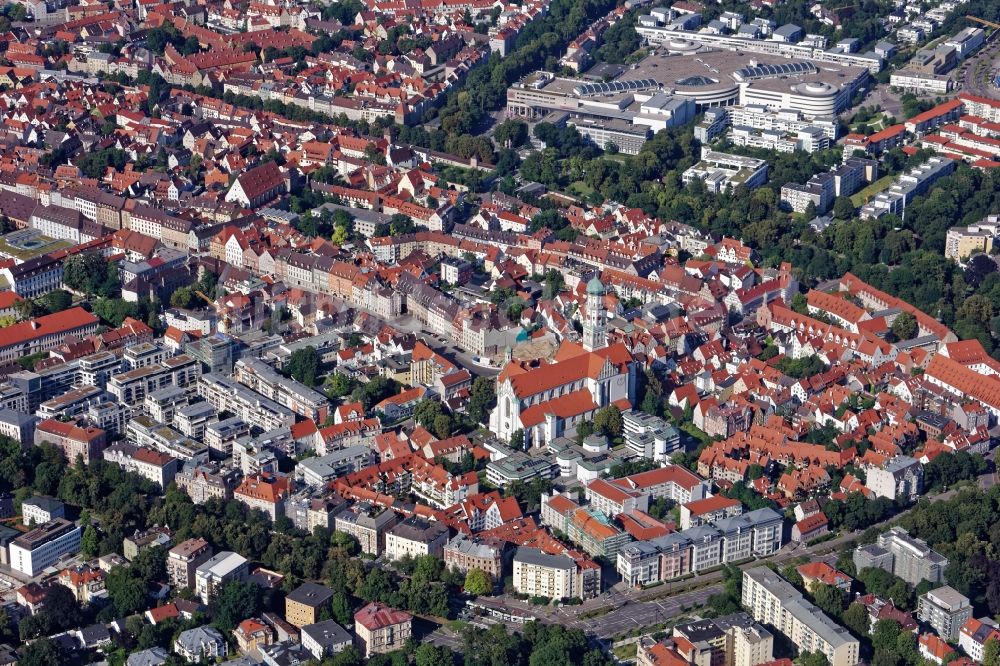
(579, 189)
(860, 197)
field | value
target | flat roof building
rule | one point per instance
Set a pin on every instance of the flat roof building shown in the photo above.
(42, 547)
(773, 601)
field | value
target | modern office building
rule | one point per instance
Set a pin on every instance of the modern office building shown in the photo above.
(42, 547)
(721, 171)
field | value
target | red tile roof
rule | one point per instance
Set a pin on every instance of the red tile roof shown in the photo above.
(67, 321)
(377, 616)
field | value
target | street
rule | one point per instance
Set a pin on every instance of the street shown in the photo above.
(979, 70)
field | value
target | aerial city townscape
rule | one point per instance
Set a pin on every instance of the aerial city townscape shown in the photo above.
(499, 333)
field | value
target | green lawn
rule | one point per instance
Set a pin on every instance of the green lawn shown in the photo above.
(579, 189)
(860, 197)
(627, 651)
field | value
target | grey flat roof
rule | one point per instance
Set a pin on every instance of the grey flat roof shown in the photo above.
(538, 558)
(310, 594)
(327, 633)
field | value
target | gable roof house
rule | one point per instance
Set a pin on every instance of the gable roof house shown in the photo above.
(257, 186)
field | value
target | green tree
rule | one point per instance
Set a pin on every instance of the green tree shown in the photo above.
(427, 412)
(650, 403)
(799, 303)
(482, 398)
(428, 654)
(128, 592)
(303, 365)
(27, 309)
(340, 609)
(442, 426)
(182, 297)
(56, 300)
(884, 635)
(904, 326)
(114, 310)
(478, 583)
(857, 620)
(340, 384)
(237, 602)
(517, 439)
(400, 225)
(813, 659)
(843, 209)
(608, 421)
(511, 134)
(89, 542)
(84, 272)
(45, 652)
(829, 599)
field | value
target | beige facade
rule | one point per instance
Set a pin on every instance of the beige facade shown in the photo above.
(380, 629)
(751, 646)
(184, 558)
(538, 574)
(773, 601)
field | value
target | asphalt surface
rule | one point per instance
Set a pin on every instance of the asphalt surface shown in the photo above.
(447, 348)
(980, 85)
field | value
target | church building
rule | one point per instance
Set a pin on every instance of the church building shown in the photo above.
(547, 401)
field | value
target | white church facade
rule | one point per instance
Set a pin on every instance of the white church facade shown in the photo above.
(549, 400)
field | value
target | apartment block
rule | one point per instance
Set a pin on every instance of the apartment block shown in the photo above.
(223, 394)
(946, 610)
(132, 386)
(158, 467)
(913, 183)
(368, 524)
(963, 242)
(733, 539)
(184, 559)
(901, 477)
(465, 552)
(773, 601)
(540, 574)
(215, 572)
(416, 537)
(380, 628)
(912, 559)
(262, 378)
(305, 603)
